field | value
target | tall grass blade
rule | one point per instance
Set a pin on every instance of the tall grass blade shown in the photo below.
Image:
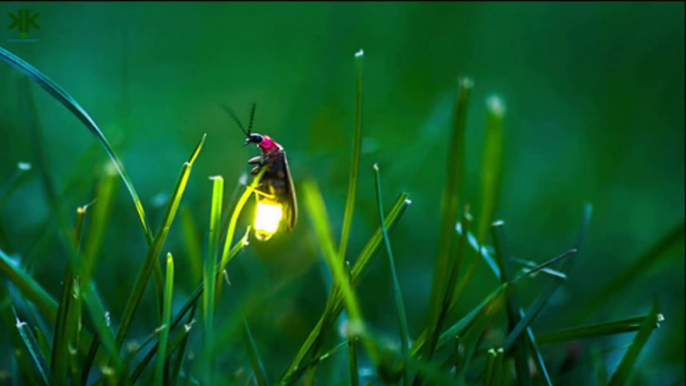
(181, 354)
(66, 328)
(355, 165)
(257, 366)
(160, 377)
(226, 254)
(209, 276)
(357, 272)
(317, 210)
(621, 375)
(192, 244)
(502, 254)
(156, 246)
(450, 202)
(70, 103)
(397, 294)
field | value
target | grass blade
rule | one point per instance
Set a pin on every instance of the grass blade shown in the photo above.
(355, 165)
(226, 254)
(15, 180)
(160, 377)
(210, 275)
(450, 203)
(156, 246)
(400, 306)
(257, 366)
(621, 375)
(666, 247)
(597, 330)
(34, 350)
(192, 244)
(29, 288)
(358, 270)
(70, 103)
(352, 361)
(180, 355)
(66, 328)
(317, 210)
(512, 302)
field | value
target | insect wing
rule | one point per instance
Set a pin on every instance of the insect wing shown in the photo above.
(290, 204)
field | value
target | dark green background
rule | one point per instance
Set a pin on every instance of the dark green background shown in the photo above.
(595, 113)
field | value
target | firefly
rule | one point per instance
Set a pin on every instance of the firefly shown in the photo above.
(275, 193)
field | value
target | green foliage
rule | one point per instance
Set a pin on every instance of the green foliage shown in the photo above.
(511, 305)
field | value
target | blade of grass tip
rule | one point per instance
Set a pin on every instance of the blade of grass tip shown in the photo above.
(400, 306)
(450, 202)
(226, 254)
(34, 350)
(15, 181)
(358, 270)
(154, 250)
(535, 308)
(66, 325)
(355, 165)
(658, 253)
(621, 375)
(72, 105)
(192, 244)
(317, 210)
(491, 175)
(502, 254)
(257, 366)
(481, 251)
(210, 275)
(596, 330)
(160, 378)
(24, 363)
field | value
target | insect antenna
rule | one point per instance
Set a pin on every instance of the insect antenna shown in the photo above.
(252, 115)
(238, 121)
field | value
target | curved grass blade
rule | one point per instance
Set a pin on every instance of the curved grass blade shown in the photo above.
(257, 366)
(156, 246)
(400, 306)
(621, 375)
(160, 377)
(597, 330)
(34, 350)
(355, 165)
(210, 275)
(450, 203)
(70, 103)
(66, 328)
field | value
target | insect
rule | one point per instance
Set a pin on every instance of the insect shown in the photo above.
(275, 193)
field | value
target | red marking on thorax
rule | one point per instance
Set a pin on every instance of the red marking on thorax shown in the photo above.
(268, 145)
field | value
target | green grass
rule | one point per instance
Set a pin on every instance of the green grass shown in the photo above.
(450, 348)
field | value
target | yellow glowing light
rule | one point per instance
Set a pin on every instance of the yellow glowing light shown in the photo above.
(267, 220)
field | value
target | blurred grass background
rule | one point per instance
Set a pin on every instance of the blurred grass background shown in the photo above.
(595, 113)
